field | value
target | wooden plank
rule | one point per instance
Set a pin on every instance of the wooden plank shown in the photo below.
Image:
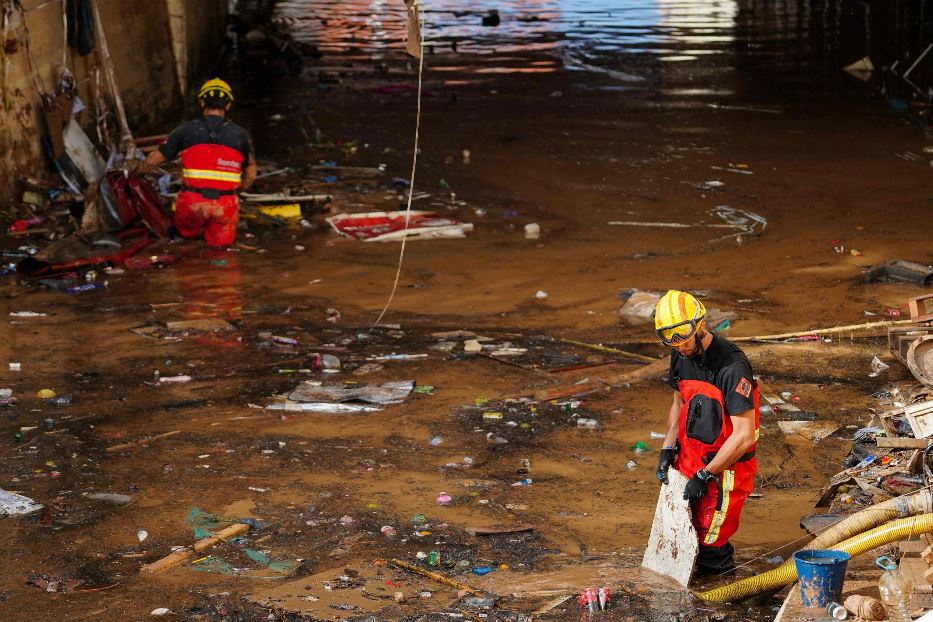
(902, 443)
(672, 545)
(492, 531)
(921, 308)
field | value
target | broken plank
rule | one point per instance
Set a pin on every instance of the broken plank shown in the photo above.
(651, 370)
(492, 531)
(179, 557)
(142, 441)
(902, 443)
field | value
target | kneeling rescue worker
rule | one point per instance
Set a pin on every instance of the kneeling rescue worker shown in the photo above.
(217, 160)
(712, 427)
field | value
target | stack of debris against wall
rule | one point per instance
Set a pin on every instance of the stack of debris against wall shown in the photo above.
(144, 40)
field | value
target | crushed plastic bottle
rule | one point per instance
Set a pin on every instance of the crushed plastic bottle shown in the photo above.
(895, 590)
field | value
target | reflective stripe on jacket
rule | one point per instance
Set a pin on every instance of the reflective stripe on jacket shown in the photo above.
(212, 166)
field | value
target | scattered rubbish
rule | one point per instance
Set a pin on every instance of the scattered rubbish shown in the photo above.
(593, 599)
(472, 345)
(444, 498)
(865, 607)
(45, 394)
(12, 504)
(142, 534)
(16, 367)
(383, 394)
(814, 431)
(590, 424)
(324, 407)
(109, 497)
(877, 366)
(541, 294)
(491, 18)
(27, 314)
(532, 231)
(482, 570)
(900, 271)
(367, 368)
(747, 223)
(657, 435)
(639, 305)
(631, 465)
(161, 611)
(391, 226)
(388, 531)
(861, 69)
(174, 379)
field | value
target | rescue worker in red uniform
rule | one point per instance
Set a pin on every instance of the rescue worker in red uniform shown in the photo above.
(217, 161)
(712, 426)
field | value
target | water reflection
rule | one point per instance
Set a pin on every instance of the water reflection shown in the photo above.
(770, 45)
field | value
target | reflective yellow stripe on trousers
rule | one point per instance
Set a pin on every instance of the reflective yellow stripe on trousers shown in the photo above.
(719, 517)
(196, 173)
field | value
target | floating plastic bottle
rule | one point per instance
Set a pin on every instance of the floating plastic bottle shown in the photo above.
(895, 590)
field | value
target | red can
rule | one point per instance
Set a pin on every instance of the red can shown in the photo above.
(588, 599)
(602, 596)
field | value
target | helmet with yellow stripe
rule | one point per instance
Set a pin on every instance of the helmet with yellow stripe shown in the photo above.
(677, 317)
(216, 90)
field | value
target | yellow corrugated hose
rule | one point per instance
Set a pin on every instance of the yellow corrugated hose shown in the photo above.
(786, 574)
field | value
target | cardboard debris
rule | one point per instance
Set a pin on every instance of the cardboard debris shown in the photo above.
(12, 504)
(385, 393)
(814, 431)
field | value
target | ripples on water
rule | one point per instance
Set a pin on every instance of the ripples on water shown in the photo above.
(691, 47)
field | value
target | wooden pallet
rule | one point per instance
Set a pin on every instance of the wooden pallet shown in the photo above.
(921, 308)
(915, 564)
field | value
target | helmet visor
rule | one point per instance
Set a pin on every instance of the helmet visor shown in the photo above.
(677, 333)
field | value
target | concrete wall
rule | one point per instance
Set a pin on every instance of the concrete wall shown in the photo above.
(139, 33)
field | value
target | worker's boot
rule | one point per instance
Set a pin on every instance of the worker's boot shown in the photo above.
(715, 561)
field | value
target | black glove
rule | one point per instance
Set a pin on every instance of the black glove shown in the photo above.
(665, 461)
(697, 486)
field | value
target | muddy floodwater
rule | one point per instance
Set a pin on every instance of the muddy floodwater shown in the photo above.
(569, 114)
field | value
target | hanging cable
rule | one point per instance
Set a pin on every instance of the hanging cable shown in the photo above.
(416, 6)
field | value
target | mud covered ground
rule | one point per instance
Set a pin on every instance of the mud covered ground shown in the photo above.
(550, 143)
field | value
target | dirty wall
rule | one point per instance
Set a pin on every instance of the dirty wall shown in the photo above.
(157, 47)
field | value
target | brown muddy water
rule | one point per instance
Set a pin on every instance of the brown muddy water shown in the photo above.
(574, 114)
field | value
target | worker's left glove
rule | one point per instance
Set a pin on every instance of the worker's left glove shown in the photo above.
(665, 461)
(697, 486)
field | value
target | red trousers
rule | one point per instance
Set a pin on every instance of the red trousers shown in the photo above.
(217, 218)
(716, 514)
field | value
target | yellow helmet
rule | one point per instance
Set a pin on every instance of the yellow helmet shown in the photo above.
(677, 317)
(215, 88)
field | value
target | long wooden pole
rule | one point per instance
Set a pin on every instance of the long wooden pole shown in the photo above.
(598, 347)
(181, 556)
(127, 137)
(436, 577)
(825, 331)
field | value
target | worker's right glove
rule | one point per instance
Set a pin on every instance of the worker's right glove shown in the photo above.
(665, 461)
(698, 485)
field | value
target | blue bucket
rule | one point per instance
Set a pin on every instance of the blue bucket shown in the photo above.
(821, 574)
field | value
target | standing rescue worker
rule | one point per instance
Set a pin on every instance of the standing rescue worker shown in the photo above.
(712, 428)
(216, 160)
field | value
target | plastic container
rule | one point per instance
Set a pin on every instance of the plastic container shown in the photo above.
(895, 590)
(837, 611)
(821, 574)
(532, 231)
